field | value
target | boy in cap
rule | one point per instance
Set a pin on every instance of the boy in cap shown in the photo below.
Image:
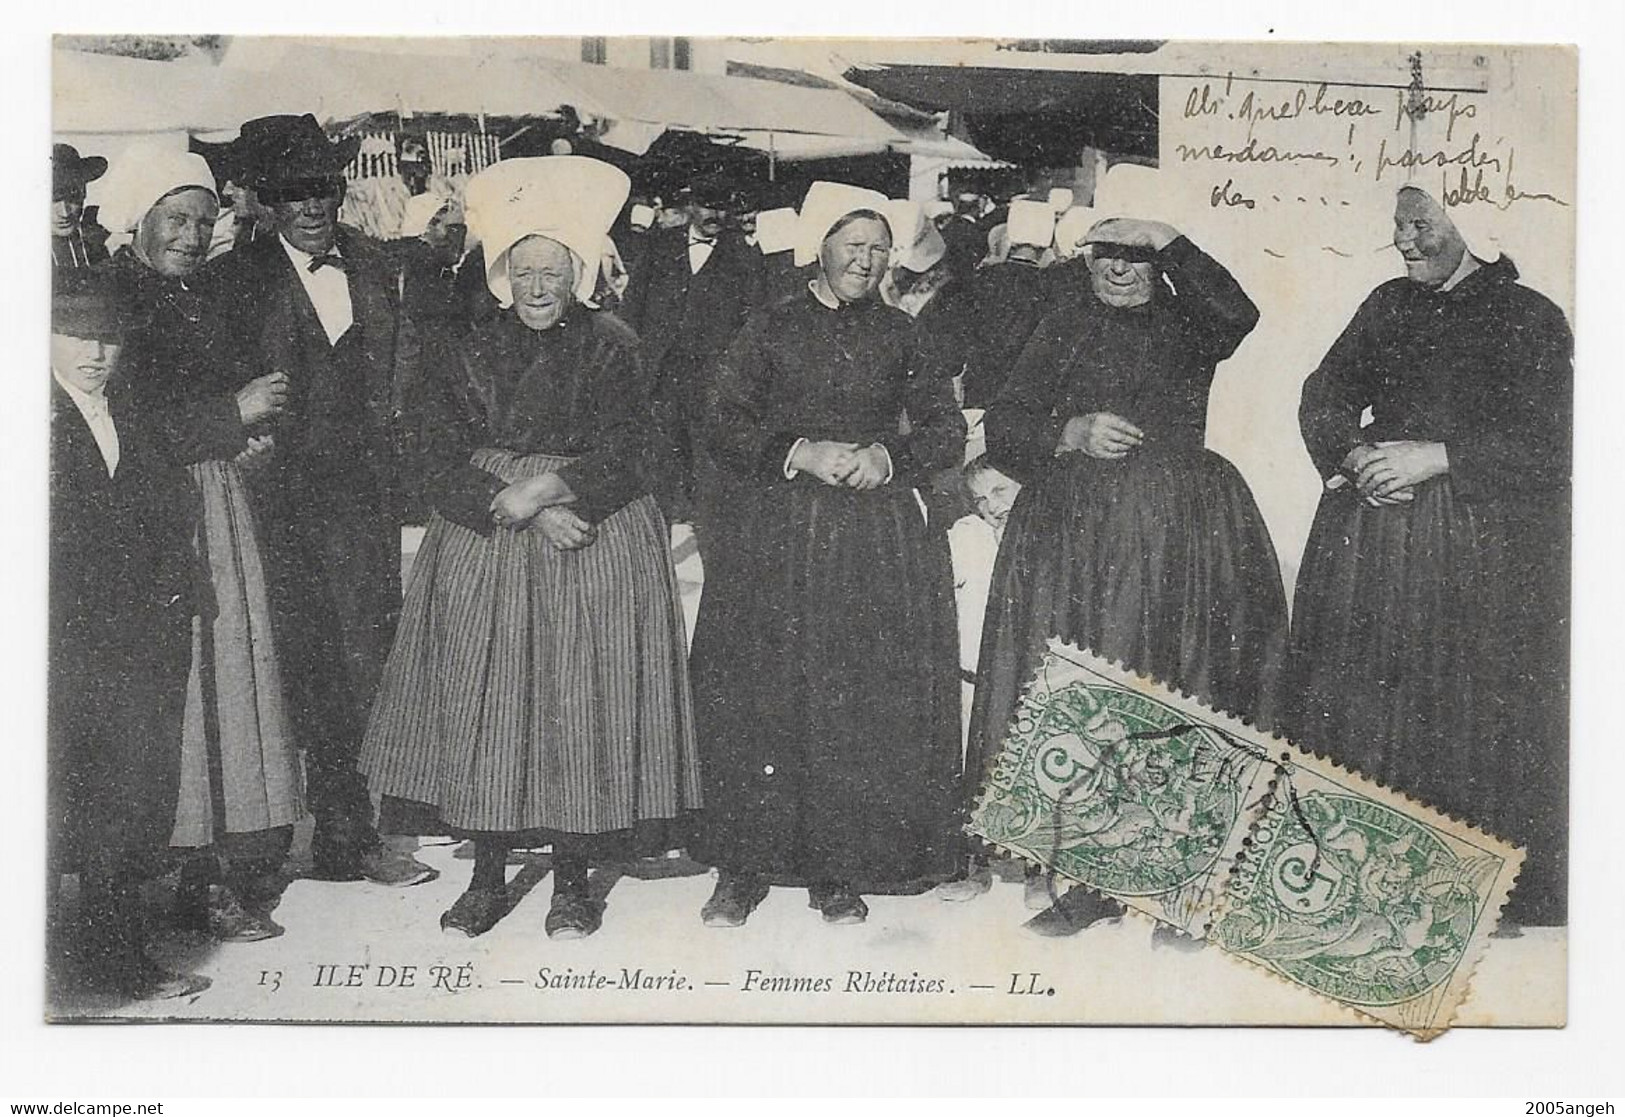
(122, 598)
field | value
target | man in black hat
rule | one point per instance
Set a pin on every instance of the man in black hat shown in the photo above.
(123, 591)
(687, 298)
(76, 241)
(316, 301)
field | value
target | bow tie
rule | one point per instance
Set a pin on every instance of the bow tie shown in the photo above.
(707, 241)
(330, 261)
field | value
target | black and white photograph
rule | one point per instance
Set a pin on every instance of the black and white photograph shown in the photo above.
(776, 530)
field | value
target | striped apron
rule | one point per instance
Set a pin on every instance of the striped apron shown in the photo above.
(533, 688)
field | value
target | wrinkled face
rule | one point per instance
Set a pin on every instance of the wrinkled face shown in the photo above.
(1118, 281)
(446, 233)
(84, 362)
(704, 220)
(1427, 239)
(542, 274)
(309, 222)
(173, 237)
(854, 257)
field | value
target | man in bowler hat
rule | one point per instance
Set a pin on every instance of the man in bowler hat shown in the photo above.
(76, 241)
(316, 302)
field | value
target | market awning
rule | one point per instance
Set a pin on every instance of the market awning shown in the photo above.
(715, 103)
(1029, 114)
(102, 94)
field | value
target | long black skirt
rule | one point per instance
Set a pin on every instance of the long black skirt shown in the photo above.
(1430, 647)
(1159, 562)
(825, 668)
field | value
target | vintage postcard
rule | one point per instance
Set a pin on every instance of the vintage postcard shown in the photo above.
(790, 531)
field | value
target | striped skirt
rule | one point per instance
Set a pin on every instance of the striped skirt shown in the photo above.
(240, 768)
(536, 689)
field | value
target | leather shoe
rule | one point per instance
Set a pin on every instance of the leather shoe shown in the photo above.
(1166, 937)
(1076, 911)
(572, 916)
(148, 981)
(475, 912)
(841, 905)
(397, 870)
(1036, 893)
(231, 920)
(975, 883)
(733, 900)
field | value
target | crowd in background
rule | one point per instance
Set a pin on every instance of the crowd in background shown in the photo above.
(914, 441)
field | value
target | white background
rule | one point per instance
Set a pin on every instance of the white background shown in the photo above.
(142, 1063)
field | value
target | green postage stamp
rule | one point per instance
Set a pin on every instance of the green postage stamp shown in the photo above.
(1197, 820)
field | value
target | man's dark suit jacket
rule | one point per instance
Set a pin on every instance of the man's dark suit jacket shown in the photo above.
(336, 442)
(690, 318)
(330, 499)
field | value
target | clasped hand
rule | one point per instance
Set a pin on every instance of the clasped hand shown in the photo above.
(260, 447)
(537, 501)
(842, 463)
(1100, 434)
(1388, 472)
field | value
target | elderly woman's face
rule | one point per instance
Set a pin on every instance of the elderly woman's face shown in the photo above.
(1430, 243)
(542, 274)
(173, 238)
(854, 258)
(1120, 282)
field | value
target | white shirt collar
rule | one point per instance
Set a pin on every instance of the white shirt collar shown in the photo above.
(301, 258)
(98, 416)
(94, 401)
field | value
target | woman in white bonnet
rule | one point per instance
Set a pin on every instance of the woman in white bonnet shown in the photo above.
(1129, 537)
(1430, 625)
(240, 782)
(537, 691)
(826, 651)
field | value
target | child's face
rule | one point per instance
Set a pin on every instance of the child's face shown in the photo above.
(992, 493)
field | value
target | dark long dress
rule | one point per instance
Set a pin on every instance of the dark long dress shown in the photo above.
(1431, 638)
(240, 775)
(1159, 560)
(532, 690)
(825, 655)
